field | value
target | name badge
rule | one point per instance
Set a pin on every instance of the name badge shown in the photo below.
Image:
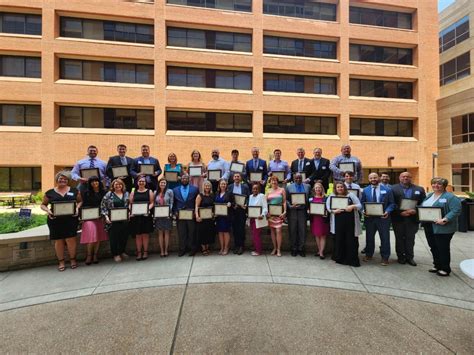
(70, 194)
(308, 163)
(383, 192)
(442, 200)
(260, 168)
(417, 192)
(324, 168)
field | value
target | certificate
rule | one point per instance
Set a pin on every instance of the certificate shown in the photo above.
(317, 208)
(162, 211)
(221, 209)
(429, 214)
(338, 203)
(89, 213)
(240, 200)
(275, 210)
(214, 175)
(147, 169)
(119, 214)
(140, 208)
(347, 167)
(195, 170)
(255, 211)
(236, 167)
(185, 215)
(303, 175)
(205, 212)
(64, 208)
(256, 177)
(298, 198)
(171, 176)
(279, 174)
(87, 173)
(373, 209)
(408, 204)
(119, 171)
(260, 223)
(354, 191)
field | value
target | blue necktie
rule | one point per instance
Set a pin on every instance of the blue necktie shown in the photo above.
(91, 164)
(374, 195)
(255, 164)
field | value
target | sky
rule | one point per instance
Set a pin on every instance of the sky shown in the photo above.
(442, 4)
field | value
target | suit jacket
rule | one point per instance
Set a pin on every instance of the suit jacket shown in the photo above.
(322, 173)
(291, 189)
(418, 194)
(179, 203)
(451, 205)
(245, 191)
(115, 161)
(306, 167)
(261, 168)
(152, 181)
(385, 197)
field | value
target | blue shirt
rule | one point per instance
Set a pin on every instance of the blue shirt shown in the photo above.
(184, 191)
(86, 164)
(220, 164)
(280, 166)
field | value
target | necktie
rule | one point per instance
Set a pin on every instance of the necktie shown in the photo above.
(300, 169)
(91, 163)
(374, 195)
(123, 160)
(255, 164)
(350, 186)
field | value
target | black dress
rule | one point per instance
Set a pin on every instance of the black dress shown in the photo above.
(206, 229)
(346, 245)
(141, 224)
(62, 227)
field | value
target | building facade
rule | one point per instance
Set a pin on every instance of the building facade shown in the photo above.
(180, 75)
(456, 103)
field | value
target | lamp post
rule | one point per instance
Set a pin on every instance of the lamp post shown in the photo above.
(434, 157)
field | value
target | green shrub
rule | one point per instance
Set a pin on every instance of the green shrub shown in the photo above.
(38, 197)
(11, 222)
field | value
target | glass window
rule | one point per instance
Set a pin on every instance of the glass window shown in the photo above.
(93, 29)
(235, 5)
(70, 117)
(176, 76)
(196, 39)
(196, 78)
(224, 41)
(381, 127)
(299, 47)
(93, 71)
(299, 124)
(379, 88)
(210, 78)
(209, 121)
(299, 84)
(144, 74)
(177, 37)
(93, 117)
(242, 80)
(13, 115)
(300, 8)
(454, 34)
(13, 66)
(145, 119)
(71, 69)
(33, 67)
(33, 25)
(20, 23)
(375, 17)
(4, 179)
(33, 115)
(125, 72)
(71, 27)
(455, 69)
(224, 79)
(21, 179)
(462, 128)
(242, 42)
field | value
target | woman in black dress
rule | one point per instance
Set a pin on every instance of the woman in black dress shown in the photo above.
(206, 229)
(142, 226)
(62, 229)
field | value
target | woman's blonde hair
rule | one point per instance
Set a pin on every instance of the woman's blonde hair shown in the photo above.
(120, 181)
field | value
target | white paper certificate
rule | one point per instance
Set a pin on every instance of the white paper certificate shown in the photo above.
(236, 167)
(429, 214)
(279, 174)
(255, 211)
(214, 175)
(275, 210)
(354, 191)
(347, 166)
(338, 203)
(256, 177)
(317, 208)
(140, 209)
(118, 214)
(171, 176)
(195, 170)
(87, 173)
(205, 212)
(373, 209)
(89, 213)
(240, 200)
(185, 215)
(260, 223)
(408, 204)
(221, 209)
(298, 198)
(119, 171)
(162, 211)
(67, 208)
(147, 169)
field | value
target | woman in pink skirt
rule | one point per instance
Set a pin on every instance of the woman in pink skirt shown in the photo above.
(319, 224)
(93, 231)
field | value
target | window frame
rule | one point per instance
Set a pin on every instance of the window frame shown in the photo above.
(379, 125)
(299, 125)
(25, 66)
(208, 121)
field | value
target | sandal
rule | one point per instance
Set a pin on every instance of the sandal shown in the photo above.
(139, 257)
(278, 253)
(145, 255)
(96, 259)
(274, 251)
(73, 263)
(88, 259)
(61, 267)
(205, 252)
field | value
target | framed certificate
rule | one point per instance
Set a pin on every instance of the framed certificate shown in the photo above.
(429, 214)
(214, 175)
(317, 208)
(354, 191)
(119, 214)
(350, 166)
(279, 174)
(195, 170)
(162, 211)
(171, 176)
(90, 213)
(147, 169)
(338, 203)
(408, 204)
(140, 208)
(185, 215)
(221, 209)
(205, 212)
(256, 177)
(87, 173)
(236, 167)
(64, 208)
(373, 209)
(275, 210)
(240, 200)
(255, 211)
(303, 175)
(119, 171)
(298, 198)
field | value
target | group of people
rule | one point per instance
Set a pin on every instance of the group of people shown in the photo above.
(254, 193)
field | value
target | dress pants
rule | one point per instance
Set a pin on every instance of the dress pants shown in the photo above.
(238, 227)
(297, 227)
(381, 225)
(405, 231)
(187, 237)
(257, 241)
(440, 245)
(118, 236)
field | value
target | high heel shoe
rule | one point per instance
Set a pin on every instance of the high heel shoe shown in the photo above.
(88, 259)
(139, 257)
(96, 259)
(61, 266)
(145, 255)
(73, 263)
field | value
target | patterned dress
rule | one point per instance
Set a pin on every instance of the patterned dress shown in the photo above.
(275, 197)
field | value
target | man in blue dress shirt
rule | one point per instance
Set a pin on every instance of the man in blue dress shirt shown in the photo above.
(89, 162)
(279, 165)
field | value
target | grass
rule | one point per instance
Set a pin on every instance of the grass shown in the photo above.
(11, 223)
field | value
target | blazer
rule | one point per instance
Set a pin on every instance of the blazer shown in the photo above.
(306, 167)
(291, 189)
(245, 191)
(418, 194)
(261, 168)
(386, 197)
(451, 206)
(151, 180)
(179, 203)
(322, 173)
(115, 161)
(168, 198)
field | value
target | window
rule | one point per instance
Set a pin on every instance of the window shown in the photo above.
(24, 24)
(460, 179)
(454, 34)
(73, 69)
(300, 8)
(381, 127)
(106, 30)
(299, 84)
(95, 117)
(299, 47)
(299, 124)
(383, 18)
(462, 128)
(25, 67)
(20, 115)
(233, 5)
(210, 78)
(367, 53)
(379, 88)
(209, 121)
(20, 179)
(455, 69)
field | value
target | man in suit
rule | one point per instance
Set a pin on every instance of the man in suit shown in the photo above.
(297, 215)
(301, 165)
(238, 215)
(376, 192)
(121, 160)
(185, 198)
(257, 165)
(405, 223)
(89, 162)
(235, 159)
(319, 169)
(145, 158)
(385, 179)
